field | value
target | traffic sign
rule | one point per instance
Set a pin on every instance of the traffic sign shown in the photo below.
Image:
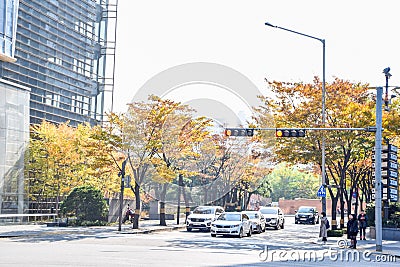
(321, 191)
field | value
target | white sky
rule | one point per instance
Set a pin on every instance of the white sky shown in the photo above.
(362, 38)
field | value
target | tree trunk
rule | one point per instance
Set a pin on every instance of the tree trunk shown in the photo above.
(136, 217)
(187, 205)
(334, 208)
(163, 222)
(341, 213)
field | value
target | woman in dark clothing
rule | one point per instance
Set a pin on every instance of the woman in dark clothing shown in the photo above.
(352, 230)
(362, 220)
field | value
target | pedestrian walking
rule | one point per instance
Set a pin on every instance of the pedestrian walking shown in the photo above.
(362, 221)
(323, 230)
(352, 230)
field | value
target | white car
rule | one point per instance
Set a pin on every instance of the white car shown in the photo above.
(202, 216)
(273, 217)
(257, 221)
(231, 223)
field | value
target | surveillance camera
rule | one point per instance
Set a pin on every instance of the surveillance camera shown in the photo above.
(386, 70)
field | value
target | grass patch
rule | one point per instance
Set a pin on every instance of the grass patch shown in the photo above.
(335, 233)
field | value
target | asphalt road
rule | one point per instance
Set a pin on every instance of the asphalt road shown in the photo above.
(296, 245)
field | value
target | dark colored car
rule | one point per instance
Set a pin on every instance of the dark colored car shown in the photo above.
(307, 215)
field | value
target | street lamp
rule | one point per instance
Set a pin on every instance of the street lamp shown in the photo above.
(323, 181)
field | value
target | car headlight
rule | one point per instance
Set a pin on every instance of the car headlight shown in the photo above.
(236, 225)
(297, 216)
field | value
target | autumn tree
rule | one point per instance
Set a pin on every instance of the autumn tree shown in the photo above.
(348, 105)
(62, 157)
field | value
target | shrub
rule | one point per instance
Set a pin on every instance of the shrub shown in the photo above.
(86, 203)
(335, 233)
(394, 216)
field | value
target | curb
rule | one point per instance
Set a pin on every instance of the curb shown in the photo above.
(141, 230)
(148, 231)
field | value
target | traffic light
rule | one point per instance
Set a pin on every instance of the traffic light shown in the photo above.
(248, 132)
(290, 133)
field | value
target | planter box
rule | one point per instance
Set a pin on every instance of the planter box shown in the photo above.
(387, 233)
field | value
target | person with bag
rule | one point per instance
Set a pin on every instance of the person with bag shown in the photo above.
(362, 220)
(352, 230)
(323, 230)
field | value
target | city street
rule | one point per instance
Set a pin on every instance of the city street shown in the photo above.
(296, 245)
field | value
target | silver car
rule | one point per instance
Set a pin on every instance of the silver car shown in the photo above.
(257, 221)
(231, 223)
(274, 217)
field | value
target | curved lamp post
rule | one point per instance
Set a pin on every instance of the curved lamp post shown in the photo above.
(323, 181)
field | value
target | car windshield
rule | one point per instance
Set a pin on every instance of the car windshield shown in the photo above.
(203, 210)
(269, 211)
(306, 210)
(252, 215)
(229, 217)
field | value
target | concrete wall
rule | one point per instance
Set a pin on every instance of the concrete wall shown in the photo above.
(289, 206)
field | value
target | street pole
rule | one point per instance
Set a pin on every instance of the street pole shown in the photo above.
(323, 174)
(121, 194)
(378, 177)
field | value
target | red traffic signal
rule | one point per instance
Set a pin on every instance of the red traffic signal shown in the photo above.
(290, 133)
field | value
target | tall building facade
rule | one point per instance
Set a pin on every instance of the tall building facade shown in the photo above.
(56, 64)
(62, 49)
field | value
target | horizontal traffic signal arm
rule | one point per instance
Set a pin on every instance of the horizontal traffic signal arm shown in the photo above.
(289, 132)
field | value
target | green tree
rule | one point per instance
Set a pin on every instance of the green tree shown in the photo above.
(289, 182)
(86, 203)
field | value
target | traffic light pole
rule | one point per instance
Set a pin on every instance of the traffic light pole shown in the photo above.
(378, 174)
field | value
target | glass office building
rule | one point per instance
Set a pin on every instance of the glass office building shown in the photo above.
(8, 28)
(56, 63)
(62, 49)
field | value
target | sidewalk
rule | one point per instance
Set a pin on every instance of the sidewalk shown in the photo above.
(388, 247)
(145, 226)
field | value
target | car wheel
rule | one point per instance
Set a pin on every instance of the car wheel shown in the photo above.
(250, 232)
(318, 220)
(277, 227)
(240, 233)
(189, 229)
(313, 221)
(296, 222)
(259, 230)
(265, 228)
(213, 235)
(283, 225)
